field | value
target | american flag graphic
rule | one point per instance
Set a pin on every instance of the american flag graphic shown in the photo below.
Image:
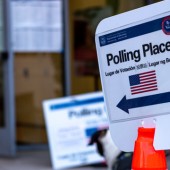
(143, 82)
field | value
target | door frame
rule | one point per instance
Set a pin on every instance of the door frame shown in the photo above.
(7, 133)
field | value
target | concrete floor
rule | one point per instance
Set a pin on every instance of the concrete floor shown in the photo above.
(38, 160)
(33, 161)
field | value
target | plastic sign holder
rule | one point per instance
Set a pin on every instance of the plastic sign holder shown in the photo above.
(134, 60)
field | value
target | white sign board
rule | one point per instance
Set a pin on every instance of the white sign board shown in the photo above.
(70, 123)
(134, 57)
(37, 25)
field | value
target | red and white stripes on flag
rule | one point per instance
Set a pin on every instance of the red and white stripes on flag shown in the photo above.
(143, 82)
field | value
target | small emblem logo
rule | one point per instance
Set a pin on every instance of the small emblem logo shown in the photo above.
(102, 40)
(166, 25)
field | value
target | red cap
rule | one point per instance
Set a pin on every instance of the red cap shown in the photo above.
(145, 157)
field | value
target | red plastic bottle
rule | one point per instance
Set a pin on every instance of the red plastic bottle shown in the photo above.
(145, 156)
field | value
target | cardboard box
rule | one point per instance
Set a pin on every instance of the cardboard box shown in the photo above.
(31, 135)
(38, 77)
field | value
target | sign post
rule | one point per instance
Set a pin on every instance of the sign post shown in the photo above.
(134, 60)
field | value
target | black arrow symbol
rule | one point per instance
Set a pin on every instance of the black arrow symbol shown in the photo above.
(126, 104)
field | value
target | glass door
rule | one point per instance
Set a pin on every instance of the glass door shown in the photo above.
(7, 117)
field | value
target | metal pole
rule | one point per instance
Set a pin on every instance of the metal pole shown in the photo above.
(8, 67)
(67, 62)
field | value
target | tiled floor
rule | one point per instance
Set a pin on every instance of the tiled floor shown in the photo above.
(32, 161)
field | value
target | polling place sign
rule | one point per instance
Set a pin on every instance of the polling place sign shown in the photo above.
(70, 123)
(134, 58)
